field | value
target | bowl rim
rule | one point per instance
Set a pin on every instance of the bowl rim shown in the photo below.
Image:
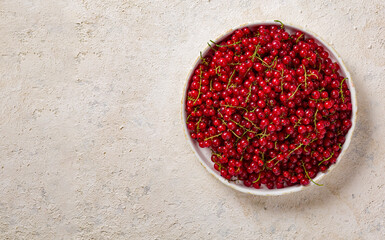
(291, 189)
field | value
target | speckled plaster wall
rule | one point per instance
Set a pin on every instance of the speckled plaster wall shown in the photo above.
(91, 142)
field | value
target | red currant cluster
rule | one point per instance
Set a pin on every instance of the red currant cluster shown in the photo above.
(272, 106)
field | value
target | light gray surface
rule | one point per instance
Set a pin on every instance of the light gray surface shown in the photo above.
(91, 142)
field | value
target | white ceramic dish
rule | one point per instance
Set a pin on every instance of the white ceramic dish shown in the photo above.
(204, 155)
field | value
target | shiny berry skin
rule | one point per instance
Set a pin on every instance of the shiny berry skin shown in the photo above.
(271, 106)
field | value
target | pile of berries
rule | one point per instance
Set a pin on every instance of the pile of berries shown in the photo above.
(272, 107)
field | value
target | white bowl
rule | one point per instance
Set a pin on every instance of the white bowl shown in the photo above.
(204, 154)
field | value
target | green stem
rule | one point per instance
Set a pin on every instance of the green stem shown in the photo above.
(263, 62)
(211, 47)
(200, 119)
(224, 122)
(216, 154)
(298, 122)
(234, 133)
(225, 45)
(326, 159)
(213, 137)
(280, 23)
(342, 94)
(216, 70)
(249, 94)
(300, 145)
(304, 68)
(255, 53)
(228, 84)
(315, 119)
(295, 91)
(282, 81)
(276, 163)
(219, 165)
(203, 60)
(235, 107)
(239, 125)
(272, 159)
(307, 175)
(253, 124)
(298, 38)
(259, 176)
(312, 74)
(200, 86)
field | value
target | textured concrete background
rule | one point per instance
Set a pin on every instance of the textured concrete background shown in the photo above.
(91, 142)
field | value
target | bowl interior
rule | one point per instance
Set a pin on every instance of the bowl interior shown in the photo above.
(204, 154)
